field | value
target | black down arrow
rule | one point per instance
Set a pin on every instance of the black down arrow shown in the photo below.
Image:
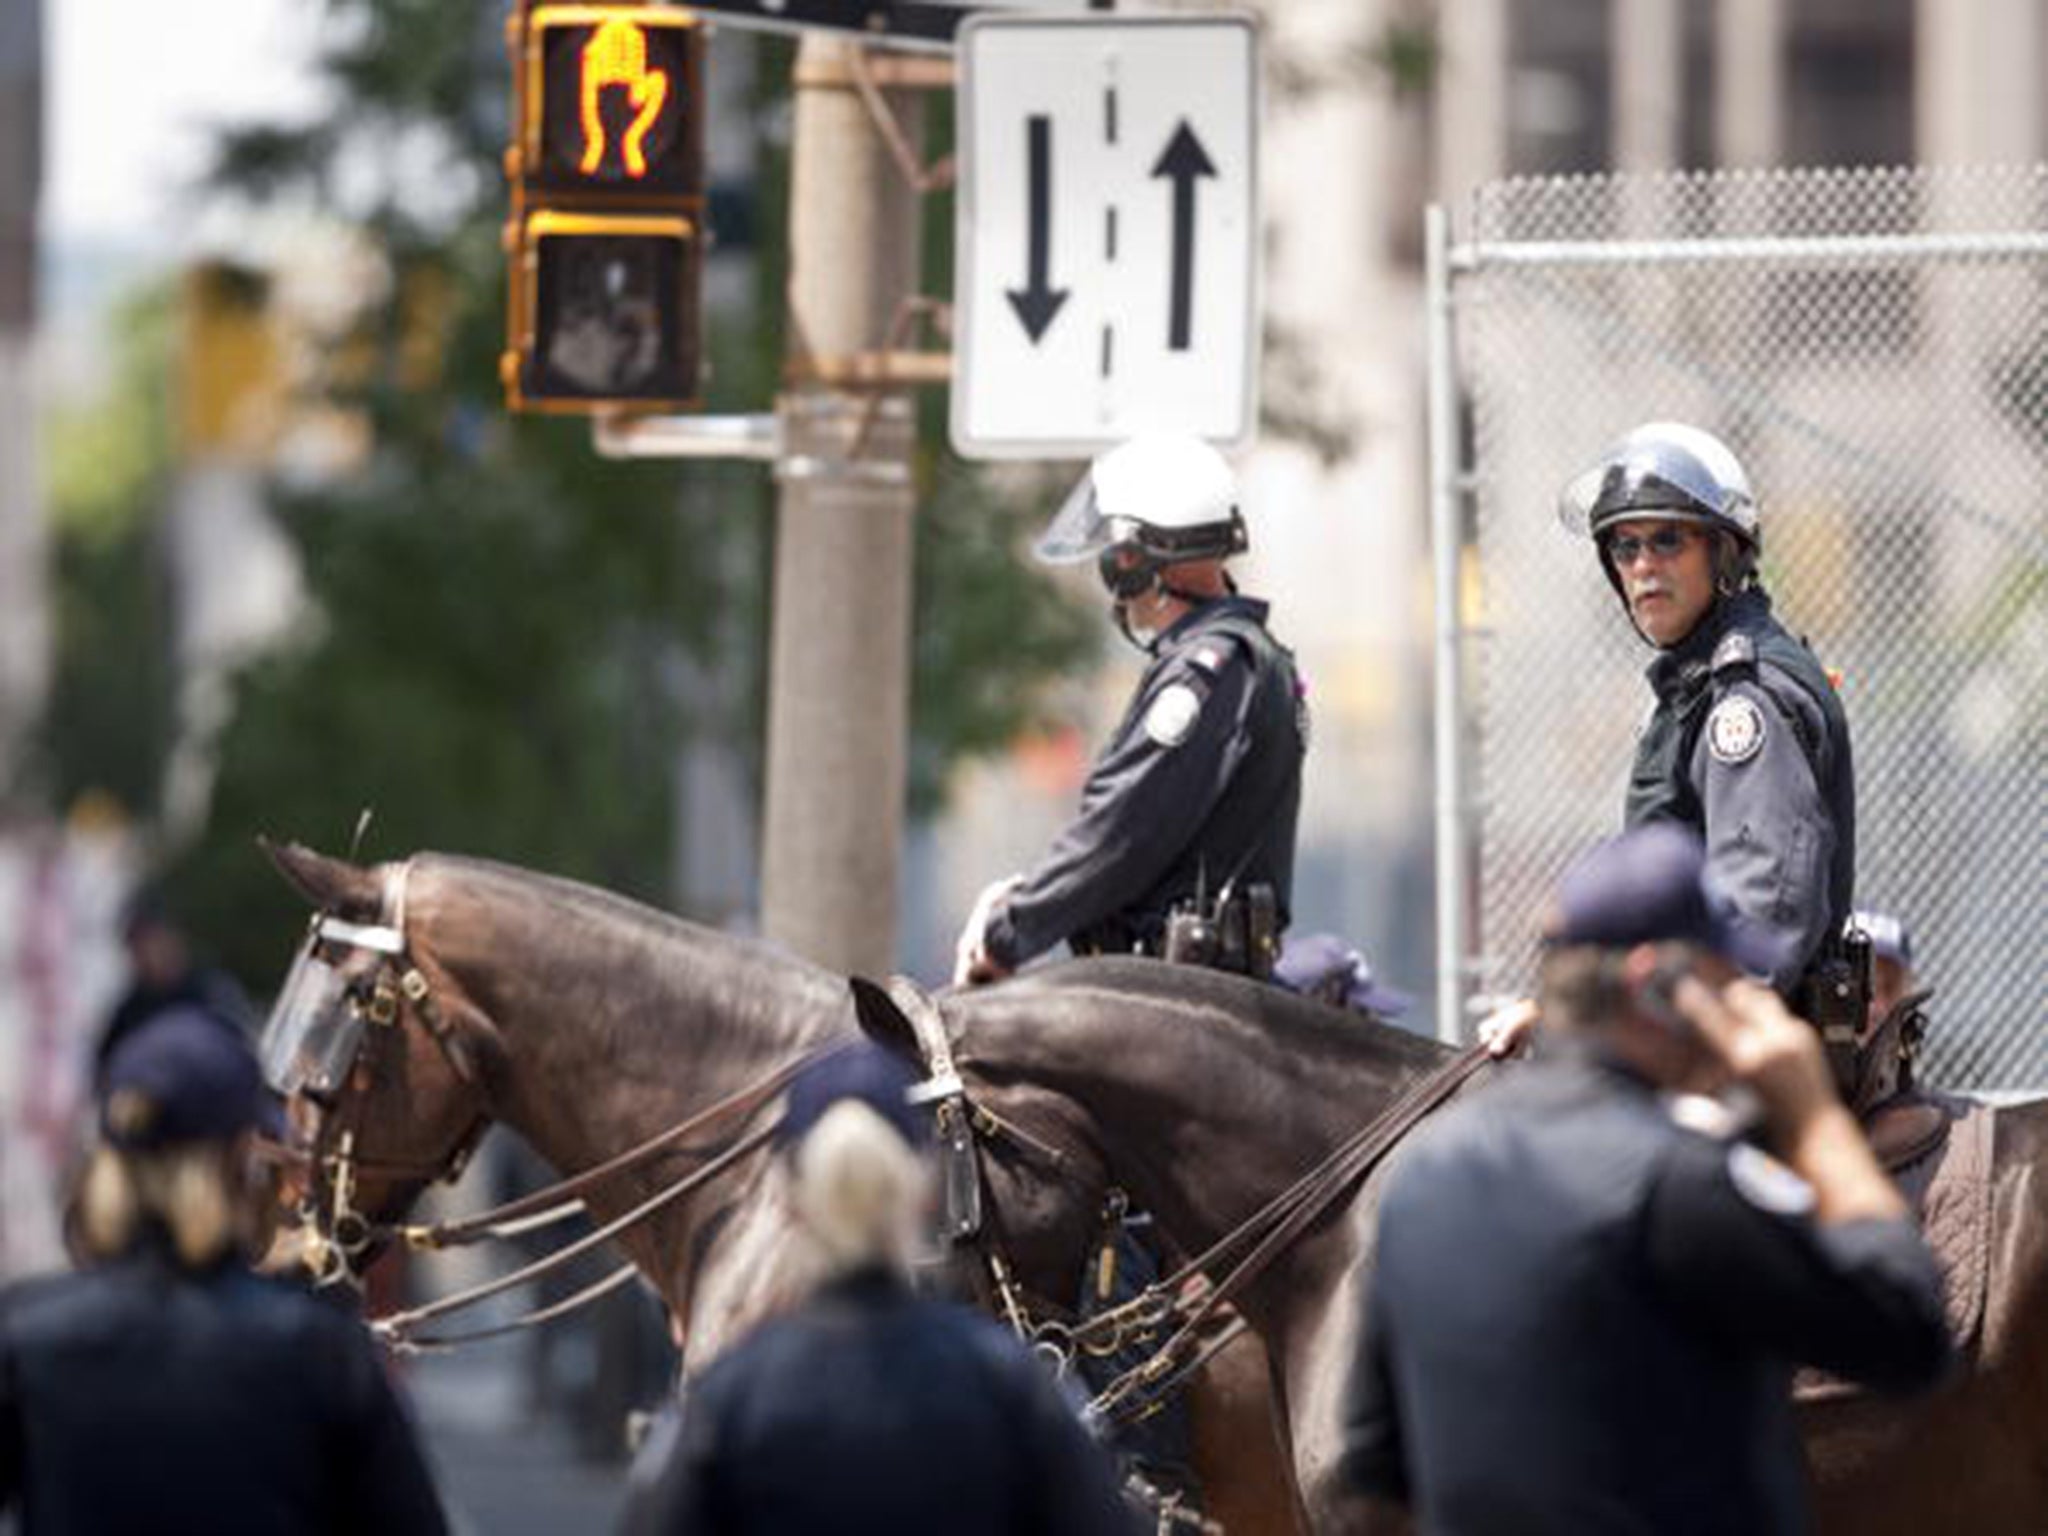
(1183, 162)
(1037, 303)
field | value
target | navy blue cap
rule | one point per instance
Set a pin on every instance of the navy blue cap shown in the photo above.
(183, 1075)
(1650, 886)
(1890, 939)
(1323, 965)
(865, 1073)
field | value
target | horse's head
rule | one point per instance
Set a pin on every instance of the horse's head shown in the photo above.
(384, 1061)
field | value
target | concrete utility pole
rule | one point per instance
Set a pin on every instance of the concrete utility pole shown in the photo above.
(24, 600)
(839, 675)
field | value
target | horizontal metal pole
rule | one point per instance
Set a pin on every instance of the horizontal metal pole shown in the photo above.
(2018, 245)
(688, 437)
(876, 370)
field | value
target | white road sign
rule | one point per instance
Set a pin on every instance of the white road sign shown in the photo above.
(1106, 245)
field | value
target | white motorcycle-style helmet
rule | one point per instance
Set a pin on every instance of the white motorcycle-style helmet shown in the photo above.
(1154, 501)
(1668, 471)
(1664, 469)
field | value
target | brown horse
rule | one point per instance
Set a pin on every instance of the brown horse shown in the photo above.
(590, 1024)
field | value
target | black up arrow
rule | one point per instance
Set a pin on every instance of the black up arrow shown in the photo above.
(1039, 302)
(1183, 161)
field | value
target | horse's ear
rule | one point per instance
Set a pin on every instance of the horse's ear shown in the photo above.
(882, 1021)
(332, 885)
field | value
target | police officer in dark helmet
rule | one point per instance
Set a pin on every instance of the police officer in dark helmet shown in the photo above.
(868, 1411)
(1589, 1290)
(1194, 800)
(1748, 744)
(167, 1386)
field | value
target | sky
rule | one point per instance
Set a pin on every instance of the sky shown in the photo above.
(131, 90)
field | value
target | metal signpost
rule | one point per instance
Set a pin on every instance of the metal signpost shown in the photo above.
(1107, 231)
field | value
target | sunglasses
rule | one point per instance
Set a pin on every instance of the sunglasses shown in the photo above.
(1665, 544)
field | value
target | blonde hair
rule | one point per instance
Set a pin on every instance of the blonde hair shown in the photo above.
(859, 1188)
(191, 1191)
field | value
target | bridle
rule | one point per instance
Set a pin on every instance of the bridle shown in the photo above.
(338, 1083)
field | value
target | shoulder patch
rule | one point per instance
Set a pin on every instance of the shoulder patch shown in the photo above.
(1209, 656)
(1735, 650)
(1702, 1115)
(1172, 714)
(1768, 1184)
(1735, 730)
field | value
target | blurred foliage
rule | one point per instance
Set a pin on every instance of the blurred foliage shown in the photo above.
(106, 728)
(507, 636)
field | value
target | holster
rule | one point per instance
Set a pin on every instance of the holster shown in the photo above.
(1834, 996)
(1240, 933)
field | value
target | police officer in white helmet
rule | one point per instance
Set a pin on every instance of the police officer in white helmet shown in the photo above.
(1193, 801)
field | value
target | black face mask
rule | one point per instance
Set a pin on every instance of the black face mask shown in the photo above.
(1127, 571)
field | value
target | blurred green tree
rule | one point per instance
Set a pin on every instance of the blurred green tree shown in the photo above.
(502, 626)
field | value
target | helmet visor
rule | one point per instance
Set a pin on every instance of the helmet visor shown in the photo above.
(1649, 480)
(1078, 530)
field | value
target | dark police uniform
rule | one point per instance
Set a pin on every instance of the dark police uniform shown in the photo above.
(1584, 1317)
(871, 1412)
(1201, 783)
(141, 1397)
(1748, 746)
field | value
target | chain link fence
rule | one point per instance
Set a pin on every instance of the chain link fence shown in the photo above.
(1874, 345)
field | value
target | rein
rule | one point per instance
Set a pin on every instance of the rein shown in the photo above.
(396, 1328)
(1281, 1220)
(563, 1199)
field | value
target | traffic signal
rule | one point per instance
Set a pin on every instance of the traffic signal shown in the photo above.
(607, 232)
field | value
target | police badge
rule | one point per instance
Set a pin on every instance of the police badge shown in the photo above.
(1735, 730)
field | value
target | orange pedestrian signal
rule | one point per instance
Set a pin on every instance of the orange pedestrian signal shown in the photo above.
(616, 55)
(613, 99)
(607, 226)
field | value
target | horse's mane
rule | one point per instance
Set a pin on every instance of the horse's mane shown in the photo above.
(654, 973)
(1291, 1026)
(559, 896)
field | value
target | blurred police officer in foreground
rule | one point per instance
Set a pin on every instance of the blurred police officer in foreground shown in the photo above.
(1747, 744)
(1588, 1297)
(1192, 804)
(870, 1412)
(167, 1387)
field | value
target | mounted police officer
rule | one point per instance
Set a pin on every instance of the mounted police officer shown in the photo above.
(1747, 743)
(1183, 846)
(168, 1387)
(1191, 807)
(1592, 1284)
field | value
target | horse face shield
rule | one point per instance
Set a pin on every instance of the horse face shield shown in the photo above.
(316, 1025)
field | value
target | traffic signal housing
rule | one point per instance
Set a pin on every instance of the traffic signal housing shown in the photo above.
(606, 238)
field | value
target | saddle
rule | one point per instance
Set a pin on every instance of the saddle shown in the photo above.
(1937, 1148)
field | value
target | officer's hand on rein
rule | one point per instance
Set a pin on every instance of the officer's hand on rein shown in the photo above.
(972, 965)
(1504, 1031)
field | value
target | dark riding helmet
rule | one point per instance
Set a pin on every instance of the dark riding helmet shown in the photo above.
(1149, 503)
